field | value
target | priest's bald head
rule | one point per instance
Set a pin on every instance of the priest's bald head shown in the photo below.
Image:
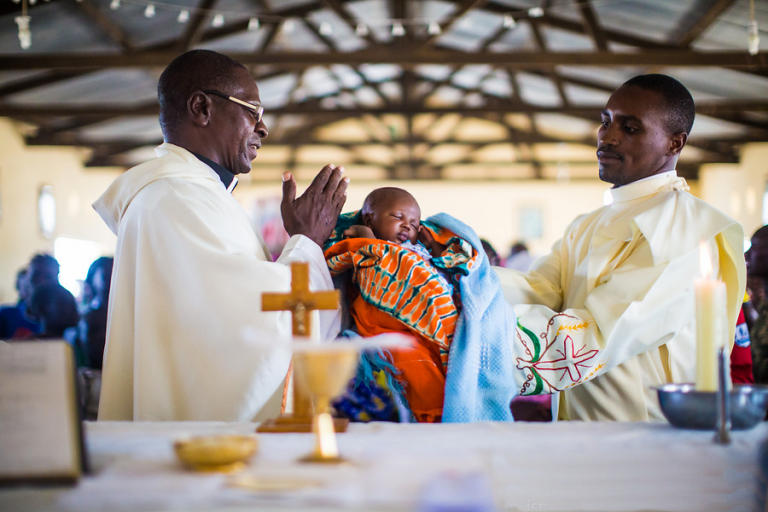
(210, 104)
(645, 126)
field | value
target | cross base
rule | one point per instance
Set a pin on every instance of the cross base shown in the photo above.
(287, 423)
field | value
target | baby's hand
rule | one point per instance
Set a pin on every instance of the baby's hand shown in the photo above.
(426, 238)
(358, 231)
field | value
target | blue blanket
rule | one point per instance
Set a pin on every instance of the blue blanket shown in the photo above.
(479, 385)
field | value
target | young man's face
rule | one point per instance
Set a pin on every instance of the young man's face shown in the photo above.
(633, 140)
(395, 219)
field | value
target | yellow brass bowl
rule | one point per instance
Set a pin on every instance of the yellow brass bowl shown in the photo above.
(223, 453)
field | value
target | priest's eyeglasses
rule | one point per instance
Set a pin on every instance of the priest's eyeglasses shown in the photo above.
(256, 110)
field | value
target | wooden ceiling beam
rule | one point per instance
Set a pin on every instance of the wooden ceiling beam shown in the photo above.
(341, 11)
(195, 28)
(105, 23)
(41, 80)
(592, 25)
(292, 60)
(14, 8)
(694, 24)
(573, 26)
(495, 104)
(460, 11)
(551, 74)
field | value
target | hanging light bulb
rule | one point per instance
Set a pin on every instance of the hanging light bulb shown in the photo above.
(535, 12)
(753, 38)
(114, 5)
(32, 2)
(183, 16)
(326, 29)
(398, 30)
(361, 30)
(434, 29)
(509, 21)
(16, 1)
(218, 21)
(149, 12)
(288, 26)
(25, 36)
(253, 24)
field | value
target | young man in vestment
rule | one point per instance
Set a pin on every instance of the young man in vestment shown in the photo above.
(189, 269)
(610, 312)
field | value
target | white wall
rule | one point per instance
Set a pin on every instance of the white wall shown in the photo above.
(491, 208)
(23, 170)
(738, 189)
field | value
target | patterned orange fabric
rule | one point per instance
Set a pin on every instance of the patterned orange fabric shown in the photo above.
(401, 284)
(397, 291)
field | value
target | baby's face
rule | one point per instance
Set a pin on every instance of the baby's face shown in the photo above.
(397, 220)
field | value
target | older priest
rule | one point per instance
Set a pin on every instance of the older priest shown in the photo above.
(189, 269)
(610, 312)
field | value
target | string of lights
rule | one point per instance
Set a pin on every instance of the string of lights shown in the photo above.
(397, 27)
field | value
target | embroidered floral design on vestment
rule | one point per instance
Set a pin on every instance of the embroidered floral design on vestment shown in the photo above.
(557, 363)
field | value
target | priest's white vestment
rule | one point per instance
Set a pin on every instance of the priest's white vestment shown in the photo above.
(610, 312)
(188, 277)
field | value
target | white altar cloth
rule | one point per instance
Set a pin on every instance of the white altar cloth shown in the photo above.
(566, 466)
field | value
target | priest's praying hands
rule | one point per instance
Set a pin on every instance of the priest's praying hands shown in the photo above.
(314, 213)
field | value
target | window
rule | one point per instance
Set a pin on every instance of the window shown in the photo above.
(74, 257)
(531, 223)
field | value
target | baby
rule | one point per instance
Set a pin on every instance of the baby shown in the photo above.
(392, 214)
(428, 279)
(401, 282)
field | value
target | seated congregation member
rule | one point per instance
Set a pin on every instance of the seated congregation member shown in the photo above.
(92, 329)
(432, 280)
(189, 270)
(757, 268)
(43, 268)
(15, 321)
(610, 312)
(55, 308)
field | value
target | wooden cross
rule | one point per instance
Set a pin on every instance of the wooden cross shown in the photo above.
(301, 301)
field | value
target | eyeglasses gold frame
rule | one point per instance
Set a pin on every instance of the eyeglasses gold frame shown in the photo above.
(258, 110)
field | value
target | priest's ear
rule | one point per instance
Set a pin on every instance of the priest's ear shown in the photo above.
(199, 108)
(676, 143)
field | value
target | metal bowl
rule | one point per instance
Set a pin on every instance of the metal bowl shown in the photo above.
(685, 407)
(219, 453)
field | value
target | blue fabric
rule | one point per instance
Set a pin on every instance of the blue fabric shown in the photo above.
(13, 318)
(479, 385)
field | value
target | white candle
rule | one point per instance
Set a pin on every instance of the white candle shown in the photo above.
(710, 324)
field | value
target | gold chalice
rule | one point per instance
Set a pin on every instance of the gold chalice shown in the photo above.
(321, 372)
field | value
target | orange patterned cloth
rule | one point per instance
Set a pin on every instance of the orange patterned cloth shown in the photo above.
(396, 290)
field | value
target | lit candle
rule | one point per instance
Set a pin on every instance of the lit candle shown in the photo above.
(326, 437)
(710, 323)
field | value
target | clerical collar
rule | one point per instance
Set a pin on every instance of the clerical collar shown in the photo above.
(648, 186)
(227, 178)
(668, 174)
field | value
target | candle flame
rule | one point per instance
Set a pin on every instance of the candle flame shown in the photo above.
(326, 436)
(705, 261)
